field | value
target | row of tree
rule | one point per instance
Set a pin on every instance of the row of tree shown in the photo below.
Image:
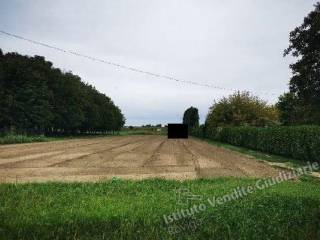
(300, 106)
(37, 98)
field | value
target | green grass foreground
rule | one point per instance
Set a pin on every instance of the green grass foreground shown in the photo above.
(134, 210)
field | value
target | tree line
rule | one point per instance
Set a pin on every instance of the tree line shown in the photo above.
(36, 98)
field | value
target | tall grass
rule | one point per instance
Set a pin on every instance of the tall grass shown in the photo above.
(15, 139)
(11, 139)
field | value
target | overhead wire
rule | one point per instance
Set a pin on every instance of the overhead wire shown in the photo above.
(125, 67)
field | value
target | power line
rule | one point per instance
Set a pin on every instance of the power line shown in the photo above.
(121, 66)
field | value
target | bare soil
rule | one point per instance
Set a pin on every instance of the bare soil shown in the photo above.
(131, 157)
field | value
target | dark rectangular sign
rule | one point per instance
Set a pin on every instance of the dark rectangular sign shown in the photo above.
(176, 130)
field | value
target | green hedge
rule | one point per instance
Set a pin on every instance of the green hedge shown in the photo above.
(300, 142)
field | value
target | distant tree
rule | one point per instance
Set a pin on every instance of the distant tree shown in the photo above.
(240, 109)
(191, 117)
(305, 82)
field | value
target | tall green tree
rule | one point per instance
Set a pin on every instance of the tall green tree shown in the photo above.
(305, 82)
(191, 117)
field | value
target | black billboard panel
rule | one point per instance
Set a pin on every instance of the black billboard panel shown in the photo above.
(176, 130)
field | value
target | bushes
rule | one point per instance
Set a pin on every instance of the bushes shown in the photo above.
(301, 142)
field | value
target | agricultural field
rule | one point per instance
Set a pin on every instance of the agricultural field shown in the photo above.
(110, 188)
(125, 157)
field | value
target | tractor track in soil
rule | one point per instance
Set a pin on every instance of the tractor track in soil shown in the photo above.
(128, 157)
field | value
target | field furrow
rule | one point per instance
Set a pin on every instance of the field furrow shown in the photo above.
(131, 157)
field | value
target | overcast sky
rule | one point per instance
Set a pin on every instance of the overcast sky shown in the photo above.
(228, 43)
